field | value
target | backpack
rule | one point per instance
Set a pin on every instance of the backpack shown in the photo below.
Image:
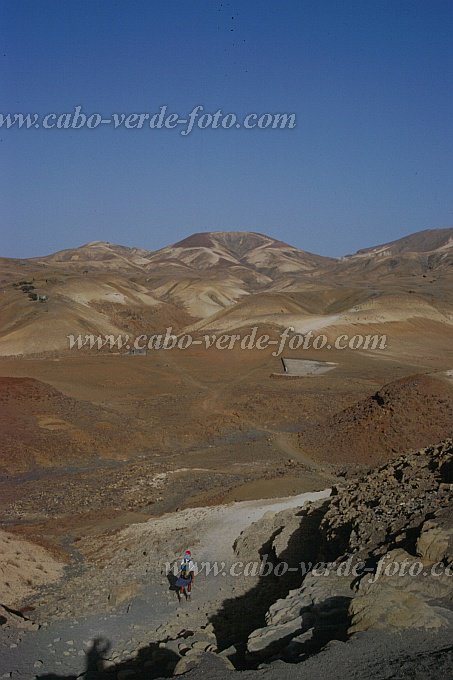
(185, 569)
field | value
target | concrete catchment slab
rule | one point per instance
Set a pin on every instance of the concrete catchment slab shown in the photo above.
(293, 368)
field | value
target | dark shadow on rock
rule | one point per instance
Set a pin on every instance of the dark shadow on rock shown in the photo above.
(446, 472)
(16, 612)
(331, 622)
(151, 662)
(52, 676)
(240, 616)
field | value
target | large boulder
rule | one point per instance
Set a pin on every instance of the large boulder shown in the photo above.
(199, 659)
(271, 638)
(435, 543)
(386, 608)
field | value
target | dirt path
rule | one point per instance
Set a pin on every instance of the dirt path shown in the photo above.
(220, 531)
(285, 442)
(60, 647)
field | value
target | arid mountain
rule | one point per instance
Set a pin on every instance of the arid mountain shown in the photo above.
(198, 252)
(248, 250)
(427, 253)
(97, 255)
(426, 241)
(223, 281)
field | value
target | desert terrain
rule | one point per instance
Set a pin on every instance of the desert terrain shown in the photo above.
(111, 463)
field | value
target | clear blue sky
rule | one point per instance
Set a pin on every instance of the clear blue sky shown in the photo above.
(371, 158)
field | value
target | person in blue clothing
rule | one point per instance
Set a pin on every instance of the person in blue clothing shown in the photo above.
(186, 576)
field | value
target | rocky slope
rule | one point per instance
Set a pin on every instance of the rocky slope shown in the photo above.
(356, 585)
(399, 514)
(373, 559)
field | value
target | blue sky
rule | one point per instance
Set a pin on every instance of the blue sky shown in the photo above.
(369, 161)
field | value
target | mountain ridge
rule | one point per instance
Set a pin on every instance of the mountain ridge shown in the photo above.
(221, 280)
(426, 240)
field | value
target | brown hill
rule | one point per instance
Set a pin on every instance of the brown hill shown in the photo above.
(221, 280)
(42, 427)
(97, 303)
(238, 248)
(425, 241)
(95, 256)
(405, 414)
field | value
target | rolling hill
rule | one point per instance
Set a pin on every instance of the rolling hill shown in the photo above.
(223, 281)
(405, 414)
(42, 427)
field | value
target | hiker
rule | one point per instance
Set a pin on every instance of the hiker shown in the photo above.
(186, 576)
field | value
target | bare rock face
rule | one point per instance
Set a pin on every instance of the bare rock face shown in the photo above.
(249, 543)
(282, 541)
(12, 619)
(399, 570)
(272, 636)
(197, 658)
(386, 608)
(435, 543)
(376, 556)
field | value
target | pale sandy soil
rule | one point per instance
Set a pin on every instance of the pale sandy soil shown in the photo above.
(24, 567)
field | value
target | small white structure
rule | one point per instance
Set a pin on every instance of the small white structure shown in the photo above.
(304, 367)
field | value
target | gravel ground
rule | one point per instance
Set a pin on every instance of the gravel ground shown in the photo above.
(411, 655)
(60, 647)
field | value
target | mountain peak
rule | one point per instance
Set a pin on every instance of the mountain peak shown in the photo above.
(238, 243)
(426, 241)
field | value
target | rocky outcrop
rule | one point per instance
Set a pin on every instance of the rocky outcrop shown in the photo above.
(391, 609)
(199, 657)
(435, 543)
(371, 559)
(380, 511)
(15, 619)
(376, 558)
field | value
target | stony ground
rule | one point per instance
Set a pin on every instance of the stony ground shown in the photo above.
(382, 548)
(120, 595)
(116, 616)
